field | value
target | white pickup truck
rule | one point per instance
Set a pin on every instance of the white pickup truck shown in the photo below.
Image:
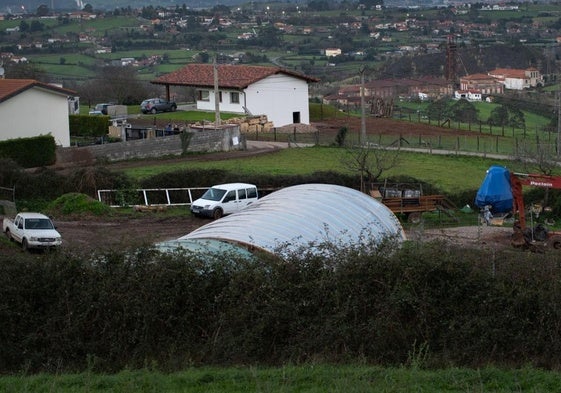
(32, 230)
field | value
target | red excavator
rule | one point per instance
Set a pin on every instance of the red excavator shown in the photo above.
(538, 237)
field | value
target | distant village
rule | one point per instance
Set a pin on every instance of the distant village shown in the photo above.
(474, 87)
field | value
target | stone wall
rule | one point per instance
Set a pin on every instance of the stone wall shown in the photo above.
(198, 139)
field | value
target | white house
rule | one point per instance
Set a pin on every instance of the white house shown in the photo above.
(470, 95)
(332, 52)
(279, 94)
(517, 79)
(30, 108)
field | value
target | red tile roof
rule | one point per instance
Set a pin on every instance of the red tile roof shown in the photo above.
(229, 76)
(12, 87)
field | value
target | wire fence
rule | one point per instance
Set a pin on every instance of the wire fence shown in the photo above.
(480, 138)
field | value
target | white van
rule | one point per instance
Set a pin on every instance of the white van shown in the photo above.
(224, 199)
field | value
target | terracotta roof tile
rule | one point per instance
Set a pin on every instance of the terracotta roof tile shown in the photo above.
(12, 87)
(229, 76)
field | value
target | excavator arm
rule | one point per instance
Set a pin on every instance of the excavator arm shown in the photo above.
(517, 181)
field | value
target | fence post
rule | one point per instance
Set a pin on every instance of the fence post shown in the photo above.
(497, 144)
(477, 142)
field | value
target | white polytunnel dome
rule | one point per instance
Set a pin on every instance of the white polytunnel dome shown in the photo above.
(299, 216)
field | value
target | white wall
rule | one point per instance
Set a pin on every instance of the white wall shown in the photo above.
(225, 105)
(276, 96)
(35, 112)
(515, 83)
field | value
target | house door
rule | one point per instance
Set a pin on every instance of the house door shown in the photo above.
(295, 117)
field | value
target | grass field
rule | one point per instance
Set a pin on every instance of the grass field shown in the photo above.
(451, 174)
(308, 378)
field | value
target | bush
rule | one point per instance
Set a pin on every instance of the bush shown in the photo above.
(30, 152)
(114, 310)
(75, 203)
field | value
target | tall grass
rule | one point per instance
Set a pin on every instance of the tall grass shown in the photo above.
(312, 378)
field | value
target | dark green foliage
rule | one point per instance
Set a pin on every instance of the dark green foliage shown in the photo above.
(75, 203)
(187, 178)
(88, 126)
(10, 171)
(62, 312)
(506, 115)
(341, 136)
(30, 152)
(45, 184)
(438, 110)
(209, 177)
(463, 111)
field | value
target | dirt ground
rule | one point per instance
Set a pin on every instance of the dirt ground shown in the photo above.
(88, 236)
(97, 234)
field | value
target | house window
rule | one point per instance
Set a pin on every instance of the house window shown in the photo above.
(219, 96)
(234, 97)
(203, 95)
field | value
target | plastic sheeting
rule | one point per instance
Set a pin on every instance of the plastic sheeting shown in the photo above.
(304, 215)
(495, 190)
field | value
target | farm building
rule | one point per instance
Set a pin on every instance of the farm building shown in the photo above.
(300, 217)
(279, 94)
(30, 108)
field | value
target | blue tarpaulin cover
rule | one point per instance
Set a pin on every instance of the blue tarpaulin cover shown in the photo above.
(495, 190)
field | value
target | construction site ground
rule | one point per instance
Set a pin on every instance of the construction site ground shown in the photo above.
(87, 234)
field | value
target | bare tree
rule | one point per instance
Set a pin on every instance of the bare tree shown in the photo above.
(538, 158)
(117, 84)
(370, 162)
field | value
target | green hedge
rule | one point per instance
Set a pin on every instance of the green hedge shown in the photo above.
(30, 152)
(88, 126)
(429, 303)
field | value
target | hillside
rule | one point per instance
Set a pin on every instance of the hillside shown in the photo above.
(470, 60)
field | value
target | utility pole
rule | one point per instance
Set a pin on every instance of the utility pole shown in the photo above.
(216, 96)
(362, 140)
(558, 117)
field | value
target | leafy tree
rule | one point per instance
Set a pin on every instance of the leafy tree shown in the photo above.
(318, 5)
(23, 26)
(438, 110)
(221, 10)
(498, 116)
(516, 118)
(42, 10)
(88, 8)
(36, 26)
(269, 37)
(463, 111)
(25, 71)
(507, 115)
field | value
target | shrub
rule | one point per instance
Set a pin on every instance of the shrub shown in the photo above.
(30, 152)
(75, 203)
(125, 309)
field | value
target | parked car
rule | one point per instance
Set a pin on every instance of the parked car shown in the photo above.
(32, 230)
(100, 109)
(155, 105)
(224, 199)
